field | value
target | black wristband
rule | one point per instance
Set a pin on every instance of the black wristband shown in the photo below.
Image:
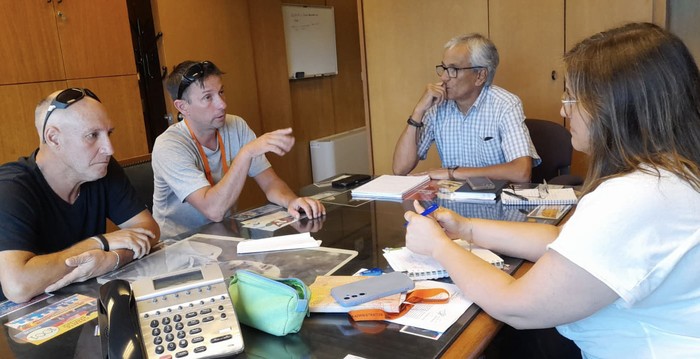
(105, 244)
(413, 123)
(451, 173)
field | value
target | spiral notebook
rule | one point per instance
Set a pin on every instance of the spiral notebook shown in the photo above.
(531, 196)
(419, 267)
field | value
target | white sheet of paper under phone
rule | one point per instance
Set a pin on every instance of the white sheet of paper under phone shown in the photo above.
(292, 241)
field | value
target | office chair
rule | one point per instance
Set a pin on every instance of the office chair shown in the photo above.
(553, 143)
(140, 174)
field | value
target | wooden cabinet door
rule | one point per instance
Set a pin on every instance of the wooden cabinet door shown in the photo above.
(587, 17)
(19, 136)
(120, 94)
(95, 38)
(29, 48)
(529, 35)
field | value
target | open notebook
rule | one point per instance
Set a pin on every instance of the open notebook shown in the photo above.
(555, 196)
(419, 267)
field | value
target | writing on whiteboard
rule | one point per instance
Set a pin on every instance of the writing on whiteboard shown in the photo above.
(310, 38)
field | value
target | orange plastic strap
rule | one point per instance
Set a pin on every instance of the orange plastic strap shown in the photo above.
(414, 297)
(205, 161)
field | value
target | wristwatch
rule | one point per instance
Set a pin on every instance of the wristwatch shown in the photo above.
(451, 173)
(413, 123)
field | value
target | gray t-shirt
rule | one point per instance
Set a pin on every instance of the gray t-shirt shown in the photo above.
(178, 171)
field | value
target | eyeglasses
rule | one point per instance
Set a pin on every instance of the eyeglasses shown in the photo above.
(452, 71)
(567, 102)
(64, 99)
(194, 73)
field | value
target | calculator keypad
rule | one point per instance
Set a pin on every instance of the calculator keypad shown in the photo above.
(194, 323)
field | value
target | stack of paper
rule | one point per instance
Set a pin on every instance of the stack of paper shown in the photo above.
(390, 187)
(292, 241)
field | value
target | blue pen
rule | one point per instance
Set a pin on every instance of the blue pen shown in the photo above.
(427, 211)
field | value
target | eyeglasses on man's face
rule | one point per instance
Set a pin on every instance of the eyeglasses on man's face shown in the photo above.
(452, 71)
(64, 99)
(194, 73)
(567, 102)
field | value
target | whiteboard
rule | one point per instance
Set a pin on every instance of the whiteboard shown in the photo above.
(309, 32)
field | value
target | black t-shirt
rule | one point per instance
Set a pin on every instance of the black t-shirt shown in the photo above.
(34, 218)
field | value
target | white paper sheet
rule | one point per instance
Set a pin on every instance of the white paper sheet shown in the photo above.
(436, 317)
(292, 241)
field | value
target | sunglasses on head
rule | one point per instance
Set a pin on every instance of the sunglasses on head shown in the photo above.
(64, 99)
(194, 73)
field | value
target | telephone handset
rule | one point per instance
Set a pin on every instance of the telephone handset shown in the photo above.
(119, 324)
(182, 314)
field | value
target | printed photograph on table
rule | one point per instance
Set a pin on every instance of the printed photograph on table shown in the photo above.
(256, 212)
(201, 249)
(549, 211)
(270, 222)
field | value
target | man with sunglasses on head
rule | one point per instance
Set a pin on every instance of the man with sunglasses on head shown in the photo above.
(200, 164)
(56, 201)
(478, 128)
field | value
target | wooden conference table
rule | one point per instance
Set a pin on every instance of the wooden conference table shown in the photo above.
(367, 229)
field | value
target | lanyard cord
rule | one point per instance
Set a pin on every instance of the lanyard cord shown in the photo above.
(205, 161)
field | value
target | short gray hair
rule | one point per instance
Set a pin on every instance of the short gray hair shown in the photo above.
(482, 52)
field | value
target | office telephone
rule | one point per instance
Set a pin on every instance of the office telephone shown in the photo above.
(187, 313)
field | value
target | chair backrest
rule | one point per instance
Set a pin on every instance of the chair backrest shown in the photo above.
(553, 143)
(140, 174)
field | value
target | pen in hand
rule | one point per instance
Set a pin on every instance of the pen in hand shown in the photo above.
(427, 211)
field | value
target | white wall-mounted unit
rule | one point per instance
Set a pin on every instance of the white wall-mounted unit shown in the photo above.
(345, 152)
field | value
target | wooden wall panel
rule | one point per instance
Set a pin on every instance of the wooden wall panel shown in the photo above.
(30, 48)
(401, 57)
(347, 85)
(273, 87)
(522, 71)
(313, 108)
(95, 40)
(328, 105)
(19, 134)
(587, 17)
(121, 97)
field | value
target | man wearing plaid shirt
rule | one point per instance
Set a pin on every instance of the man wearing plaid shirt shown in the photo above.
(478, 128)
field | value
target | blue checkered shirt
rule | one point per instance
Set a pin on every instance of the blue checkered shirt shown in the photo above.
(492, 131)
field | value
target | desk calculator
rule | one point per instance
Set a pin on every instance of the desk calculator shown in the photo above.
(187, 314)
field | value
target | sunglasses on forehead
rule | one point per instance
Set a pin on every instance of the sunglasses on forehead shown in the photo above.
(64, 99)
(194, 73)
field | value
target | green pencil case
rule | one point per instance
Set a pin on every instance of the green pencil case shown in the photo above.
(275, 306)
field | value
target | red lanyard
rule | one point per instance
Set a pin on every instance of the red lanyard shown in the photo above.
(415, 297)
(207, 169)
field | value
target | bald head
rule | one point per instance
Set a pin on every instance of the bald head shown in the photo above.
(71, 107)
